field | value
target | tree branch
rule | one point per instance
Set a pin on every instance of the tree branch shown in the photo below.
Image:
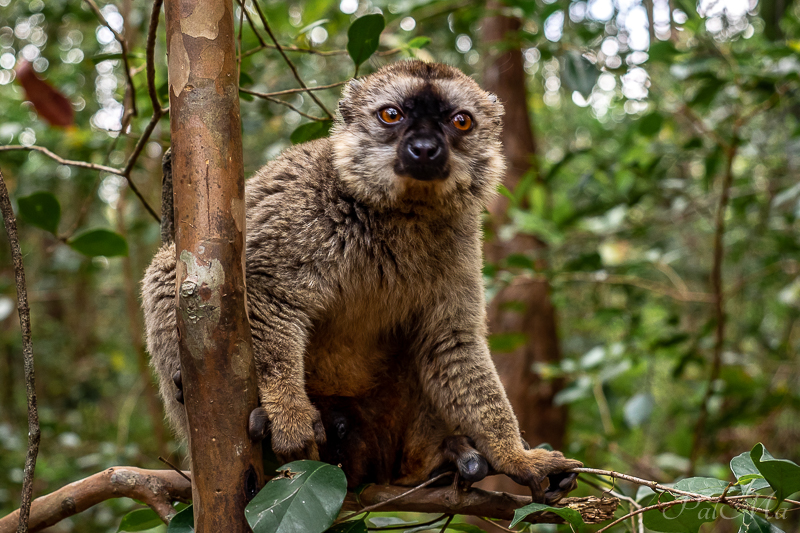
(159, 488)
(281, 102)
(475, 502)
(27, 350)
(286, 58)
(156, 488)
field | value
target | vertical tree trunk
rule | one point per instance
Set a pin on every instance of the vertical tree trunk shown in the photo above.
(215, 344)
(531, 397)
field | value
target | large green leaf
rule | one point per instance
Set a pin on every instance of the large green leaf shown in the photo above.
(571, 516)
(363, 37)
(680, 518)
(753, 523)
(96, 242)
(310, 131)
(747, 474)
(305, 498)
(42, 210)
(705, 486)
(781, 474)
(183, 522)
(465, 528)
(140, 520)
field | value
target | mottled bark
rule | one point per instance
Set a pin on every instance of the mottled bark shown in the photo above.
(215, 346)
(531, 397)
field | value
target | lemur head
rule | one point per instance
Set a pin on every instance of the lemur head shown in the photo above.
(416, 133)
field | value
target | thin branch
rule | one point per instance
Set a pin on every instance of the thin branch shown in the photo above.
(156, 488)
(614, 279)
(150, 55)
(121, 40)
(371, 508)
(283, 103)
(252, 27)
(137, 150)
(495, 524)
(27, 352)
(286, 58)
(294, 91)
(68, 162)
(444, 527)
(719, 297)
(175, 468)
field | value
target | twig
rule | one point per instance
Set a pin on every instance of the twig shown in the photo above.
(444, 527)
(150, 55)
(175, 468)
(68, 162)
(371, 508)
(495, 524)
(283, 103)
(121, 40)
(137, 150)
(252, 27)
(27, 352)
(719, 296)
(286, 58)
(295, 91)
(615, 279)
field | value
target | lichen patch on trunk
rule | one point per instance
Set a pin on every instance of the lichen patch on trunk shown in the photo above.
(200, 297)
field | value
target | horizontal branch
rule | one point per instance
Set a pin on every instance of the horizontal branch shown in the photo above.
(159, 488)
(156, 488)
(59, 159)
(475, 502)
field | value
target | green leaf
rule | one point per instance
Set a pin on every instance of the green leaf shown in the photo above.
(706, 93)
(307, 498)
(706, 486)
(571, 516)
(42, 210)
(310, 131)
(140, 520)
(183, 522)
(96, 242)
(662, 51)
(680, 518)
(753, 523)
(651, 124)
(783, 475)
(351, 526)
(419, 42)
(363, 37)
(746, 472)
(506, 342)
(578, 73)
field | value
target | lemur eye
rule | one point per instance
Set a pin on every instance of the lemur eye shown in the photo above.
(462, 121)
(390, 115)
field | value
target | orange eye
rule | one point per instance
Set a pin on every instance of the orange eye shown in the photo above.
(390, 115)
(462, 121)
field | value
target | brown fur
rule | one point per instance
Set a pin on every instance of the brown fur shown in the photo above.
(365, 293)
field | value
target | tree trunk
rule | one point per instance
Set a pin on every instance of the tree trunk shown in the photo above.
(217, 368)
(531, 398)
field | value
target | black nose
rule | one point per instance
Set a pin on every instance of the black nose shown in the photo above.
(424, 149)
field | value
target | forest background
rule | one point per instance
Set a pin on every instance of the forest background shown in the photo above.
(642, 257)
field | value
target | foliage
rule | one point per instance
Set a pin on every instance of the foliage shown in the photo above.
(635, 142)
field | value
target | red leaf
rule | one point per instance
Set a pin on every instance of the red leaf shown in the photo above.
(48, 102)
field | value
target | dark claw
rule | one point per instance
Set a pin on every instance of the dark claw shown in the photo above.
(179, 396)
(176, 378)
(472, 467)
(258, 424)
(561, 484)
